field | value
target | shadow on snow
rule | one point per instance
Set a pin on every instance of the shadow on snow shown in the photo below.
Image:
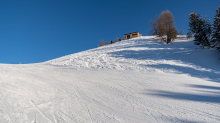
(175, 52)
(211, 96)
(186, 96)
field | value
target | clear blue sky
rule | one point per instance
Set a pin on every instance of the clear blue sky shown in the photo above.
(33, 31)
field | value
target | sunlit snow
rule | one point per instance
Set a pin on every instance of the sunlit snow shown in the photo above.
(140, 80)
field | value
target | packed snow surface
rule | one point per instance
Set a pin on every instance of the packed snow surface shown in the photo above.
(140, 80)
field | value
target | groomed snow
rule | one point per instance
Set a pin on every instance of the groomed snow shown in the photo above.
(140, 80)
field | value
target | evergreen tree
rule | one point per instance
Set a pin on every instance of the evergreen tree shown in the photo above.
(216, 29)
(189, 35)
(111, 42)
(194, 19)
(200, 28)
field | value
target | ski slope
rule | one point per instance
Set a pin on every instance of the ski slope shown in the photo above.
(140, 80)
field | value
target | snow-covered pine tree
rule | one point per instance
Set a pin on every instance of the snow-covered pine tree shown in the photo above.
(216, 30)
(200, 28)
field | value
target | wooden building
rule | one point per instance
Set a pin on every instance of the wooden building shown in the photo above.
(131, 35)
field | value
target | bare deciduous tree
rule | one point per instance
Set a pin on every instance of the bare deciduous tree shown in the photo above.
(116, 39)
(101, 42)
(107, 43)
(163, 26)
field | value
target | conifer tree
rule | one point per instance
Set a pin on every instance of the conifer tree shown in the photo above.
(194, 19)
(216, 29)
(200, 28)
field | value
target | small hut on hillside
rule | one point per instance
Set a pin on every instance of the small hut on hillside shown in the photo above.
(131, 35)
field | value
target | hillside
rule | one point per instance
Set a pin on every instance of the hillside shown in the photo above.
(147, 54)
(137, 80)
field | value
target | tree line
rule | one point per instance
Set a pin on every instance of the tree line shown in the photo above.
(102, 43)
(205, 33)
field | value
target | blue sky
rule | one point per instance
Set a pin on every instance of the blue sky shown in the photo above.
(33, 31)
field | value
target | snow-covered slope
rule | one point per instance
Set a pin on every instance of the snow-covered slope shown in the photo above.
(138, 80)
(147, 54)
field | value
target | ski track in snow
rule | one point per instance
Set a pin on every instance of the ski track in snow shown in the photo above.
(134, 81)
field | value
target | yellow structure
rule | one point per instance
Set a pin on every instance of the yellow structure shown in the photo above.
(131, 35)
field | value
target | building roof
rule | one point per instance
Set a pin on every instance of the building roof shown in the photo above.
(131, 33)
